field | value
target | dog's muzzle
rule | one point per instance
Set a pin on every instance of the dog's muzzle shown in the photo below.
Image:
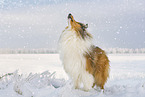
(69, 16)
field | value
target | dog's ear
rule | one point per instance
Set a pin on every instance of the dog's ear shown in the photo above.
(86, 26)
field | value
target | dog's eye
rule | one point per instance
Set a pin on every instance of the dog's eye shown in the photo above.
(71, 19)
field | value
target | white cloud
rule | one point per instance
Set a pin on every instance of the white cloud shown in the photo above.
(46, 22)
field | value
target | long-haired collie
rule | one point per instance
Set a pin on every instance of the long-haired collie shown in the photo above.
(86, 64)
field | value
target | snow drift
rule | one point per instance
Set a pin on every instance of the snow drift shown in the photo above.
(127, 77)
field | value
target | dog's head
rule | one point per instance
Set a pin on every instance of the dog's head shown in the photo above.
(80, 28)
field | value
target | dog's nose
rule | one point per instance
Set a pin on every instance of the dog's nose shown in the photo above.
(69, 16)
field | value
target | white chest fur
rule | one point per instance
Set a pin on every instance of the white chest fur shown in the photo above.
(72, 50)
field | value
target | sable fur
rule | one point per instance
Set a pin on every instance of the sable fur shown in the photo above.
(97, 64)
(80, 28)
(83, 62)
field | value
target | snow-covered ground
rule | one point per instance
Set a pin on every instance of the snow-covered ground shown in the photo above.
(42, 75)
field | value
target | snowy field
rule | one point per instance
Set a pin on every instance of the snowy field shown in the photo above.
(42, 75)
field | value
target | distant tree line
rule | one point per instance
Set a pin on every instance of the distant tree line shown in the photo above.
(48, 51)
(28, 51)
(125, 50)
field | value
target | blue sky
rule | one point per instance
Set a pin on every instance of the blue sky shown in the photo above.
(39, 23)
